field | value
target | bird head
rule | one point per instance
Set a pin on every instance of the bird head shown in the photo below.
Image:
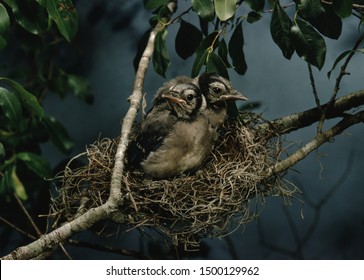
(217, 89)
(184, 99)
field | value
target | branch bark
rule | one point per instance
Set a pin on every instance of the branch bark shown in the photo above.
(299, 120)
(287, 124)
(135, 100)
(320, 139)
(51, 240)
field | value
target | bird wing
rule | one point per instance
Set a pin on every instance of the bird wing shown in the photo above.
(156, 127)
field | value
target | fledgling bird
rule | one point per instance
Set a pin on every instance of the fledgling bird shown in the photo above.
(175, 136)
(217, 91)
(157, 99)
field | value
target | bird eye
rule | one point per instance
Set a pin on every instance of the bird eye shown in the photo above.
(216, 90)
(189, 97)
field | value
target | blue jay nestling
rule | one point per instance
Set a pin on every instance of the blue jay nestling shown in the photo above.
(157, 99)
(217, 91)
(175, 136)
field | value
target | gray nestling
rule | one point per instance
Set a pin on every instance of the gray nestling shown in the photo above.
(217, 91)
(175, 136)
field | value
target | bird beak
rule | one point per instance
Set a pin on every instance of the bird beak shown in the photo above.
(235, 95)
(170, 97)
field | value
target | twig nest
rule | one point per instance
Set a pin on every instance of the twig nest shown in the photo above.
(210, 203)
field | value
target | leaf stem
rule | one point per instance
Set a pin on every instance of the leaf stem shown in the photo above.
(317, 99)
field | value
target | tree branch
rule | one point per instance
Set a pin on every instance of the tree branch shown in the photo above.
(354, 5)
(317, 99)
(51, 240)
(134, 99)
(299, 120)
(343, 71)
(320, 139)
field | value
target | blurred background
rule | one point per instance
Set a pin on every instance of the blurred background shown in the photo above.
(326, 221)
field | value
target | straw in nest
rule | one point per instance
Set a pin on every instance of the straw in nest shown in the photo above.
(210, 203)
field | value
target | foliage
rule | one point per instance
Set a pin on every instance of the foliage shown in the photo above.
(38, 31)
(299, 27)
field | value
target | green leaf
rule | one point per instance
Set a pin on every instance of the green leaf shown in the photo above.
(58, 134)
(342, 8)
(308, 43)
(199, 62)
(2, 153)
(18, 186)
(6, 183)
(236, 51)
(204, 8)
(253, 16)
(28, 100)
(80, 87)
(4, 25)
(328, 23)
(29, 15)
(204, 26)
(280, 28)
(10, 105)
(216, 65)
(223, 52)
(154, 4)
(208, 42)
(3, 42)
(225, 9)
(188, 38)
(160, 55)
(36, 163)
(256, 5)
(65, 16)
(310, 8)
(207, 45)
(337, 60)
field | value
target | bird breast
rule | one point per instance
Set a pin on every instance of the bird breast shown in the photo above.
(184, 149)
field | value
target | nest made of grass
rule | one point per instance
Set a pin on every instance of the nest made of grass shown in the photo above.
(210, 203)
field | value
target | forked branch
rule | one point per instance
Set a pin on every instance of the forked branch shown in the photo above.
(50, 241)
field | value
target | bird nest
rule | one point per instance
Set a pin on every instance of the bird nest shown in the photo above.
(212, 202)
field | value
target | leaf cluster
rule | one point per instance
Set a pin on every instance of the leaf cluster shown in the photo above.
(299, 27)
(38, 32)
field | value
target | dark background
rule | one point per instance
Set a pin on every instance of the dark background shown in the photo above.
(306, 227)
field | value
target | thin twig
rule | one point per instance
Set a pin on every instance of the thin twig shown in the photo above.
(322, 202)
(179, 16)
(135, 100)
(37, 230)
(320, 139)
(317, 207)
(343, 71)
(313, 85)
(5, 221)
(51, 240)
(353, 5)
(287, 124)
(317, 99)
(283, 7)
(105, 248)
(65, 251)
(295, 232)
